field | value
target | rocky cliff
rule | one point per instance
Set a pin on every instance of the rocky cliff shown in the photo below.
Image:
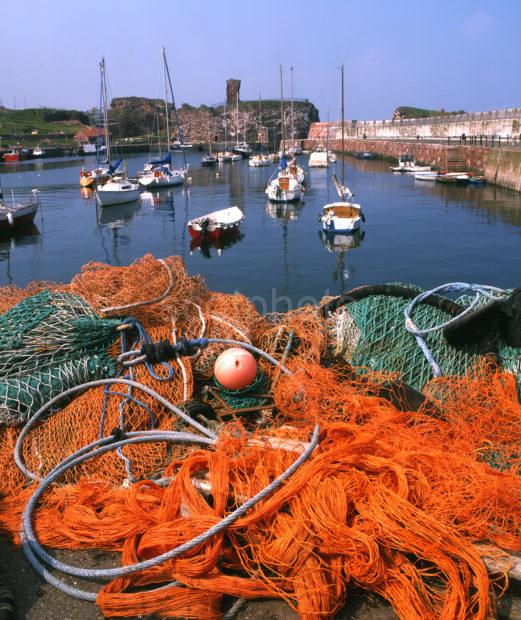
(138, 116)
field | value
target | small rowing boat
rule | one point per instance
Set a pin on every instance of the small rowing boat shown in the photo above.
(216, 224)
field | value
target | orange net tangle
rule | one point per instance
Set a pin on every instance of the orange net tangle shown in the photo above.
(411, 503)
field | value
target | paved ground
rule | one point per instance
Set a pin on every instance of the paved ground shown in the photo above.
(36, 600)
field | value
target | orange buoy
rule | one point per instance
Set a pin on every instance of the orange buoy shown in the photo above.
(235, 368)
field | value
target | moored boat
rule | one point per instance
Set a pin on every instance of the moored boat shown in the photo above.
(319, 158)
(427, 175)
(18, 214)
(405, 163)
(344, 216)
(456, 178)
(159, 172)
(477, 180)
(216, 224)
(209, 160)
(12, 155)
(38, 152)
(258, 161)
(117, 191)
(284, 189)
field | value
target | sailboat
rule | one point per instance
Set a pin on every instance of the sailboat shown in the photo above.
(227, 155)
(90, 178)
(262, 159)
(241, 148)
(343, 216)
(286, 187)
(209, 159)
(159, 172)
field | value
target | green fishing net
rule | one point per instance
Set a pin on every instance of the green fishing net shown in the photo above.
(371, 333)
(48, 343)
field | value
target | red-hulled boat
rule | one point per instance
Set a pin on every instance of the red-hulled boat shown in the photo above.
(216, 224)
(12, 155)
(18, 214)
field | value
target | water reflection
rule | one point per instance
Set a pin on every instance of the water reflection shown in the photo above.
(117, 216)
(341, 246)
(341, 243)
(18, 239)
(281, 211)
(205, 245)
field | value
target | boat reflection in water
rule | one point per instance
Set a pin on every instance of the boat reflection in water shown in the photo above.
(341, 242)
(157, 198)
(340, 245)
(117, 215)
(87, 193)
(18, 238)
(204, 245)
(283, 211)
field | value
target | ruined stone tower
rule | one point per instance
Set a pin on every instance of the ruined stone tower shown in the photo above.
(232, 88)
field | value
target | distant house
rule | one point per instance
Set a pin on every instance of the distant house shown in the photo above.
(88, 134)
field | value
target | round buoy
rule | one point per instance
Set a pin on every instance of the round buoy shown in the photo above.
(235, 369)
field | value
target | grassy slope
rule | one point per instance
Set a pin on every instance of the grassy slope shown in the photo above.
(25, 121)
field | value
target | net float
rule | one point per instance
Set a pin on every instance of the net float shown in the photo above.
(235, 368)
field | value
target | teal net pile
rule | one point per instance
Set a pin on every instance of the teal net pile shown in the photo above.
(48, 343)
(371, 332)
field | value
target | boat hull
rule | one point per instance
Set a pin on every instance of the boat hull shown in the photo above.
(108, 198)
(24, 217)
(11, 157)
(152, 182)
(284, 195)
(343, 227)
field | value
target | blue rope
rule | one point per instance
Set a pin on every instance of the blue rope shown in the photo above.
(481, 290)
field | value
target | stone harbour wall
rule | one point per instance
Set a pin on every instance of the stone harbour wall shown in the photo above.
(504, 123)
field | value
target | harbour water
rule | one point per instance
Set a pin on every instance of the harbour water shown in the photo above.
(415, 231)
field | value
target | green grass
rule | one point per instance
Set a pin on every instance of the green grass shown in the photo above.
(43, 120)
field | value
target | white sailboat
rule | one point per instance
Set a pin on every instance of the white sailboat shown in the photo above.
(286, 187)
(159, 172)
(344, 216)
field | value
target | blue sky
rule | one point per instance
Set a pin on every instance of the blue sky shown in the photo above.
(453, 54)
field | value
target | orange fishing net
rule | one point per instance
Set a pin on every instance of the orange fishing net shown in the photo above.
(392, 500)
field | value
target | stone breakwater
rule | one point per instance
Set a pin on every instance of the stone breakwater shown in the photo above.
(503, 123)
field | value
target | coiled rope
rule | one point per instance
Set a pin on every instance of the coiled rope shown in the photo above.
(481, 291)
(40, 559)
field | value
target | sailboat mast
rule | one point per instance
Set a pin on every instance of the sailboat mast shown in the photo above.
(176, 115)
(261, 133)
(282, 112)
(292, 122)
(105, 108)
(342, 106)
(225, 127)
(100, 116)
(237, 121)
(167, 115)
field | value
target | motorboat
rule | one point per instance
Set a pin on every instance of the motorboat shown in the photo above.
(216, 224)
(319, 158)
(258, 161)
(18, 214)
(89, 149)
(457, 178)
(341, 217)
(209, 160)
(426, 175)
(405, 164)
(243, 150)
(477, 180)
(11, 155)
(38, 152)
(117, 191)
(284, 188)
